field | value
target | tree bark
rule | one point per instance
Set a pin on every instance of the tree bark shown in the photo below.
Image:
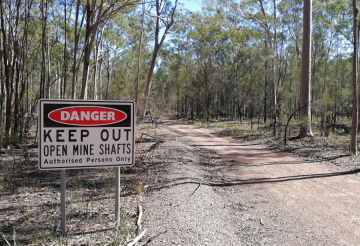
(63, 85)
(91, 29)
(75, 66)
(139, 53)
(305, 88)
(355, 110)
(10, 57)
(97, 65)
(44, 47)
(274, 61)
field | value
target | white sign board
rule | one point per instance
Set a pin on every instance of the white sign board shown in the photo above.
(84, 134)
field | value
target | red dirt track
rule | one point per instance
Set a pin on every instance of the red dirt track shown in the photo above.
(272, 197)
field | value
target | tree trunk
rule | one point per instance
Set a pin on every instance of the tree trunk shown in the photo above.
(97, 66)
(274, 60)
(305, 89)
(2, 93)
(150, 77)
(63, 86)
(43, 82)
(355, 110)
(97, 14)
(139, 54)
(158, 42)
(10, 47)
(89, 40)
(76, 48)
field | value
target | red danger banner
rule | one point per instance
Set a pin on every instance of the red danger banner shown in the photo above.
(87, 116)
(85, 134)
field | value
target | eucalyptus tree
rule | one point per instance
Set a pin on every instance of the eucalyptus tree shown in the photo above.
(305, 89)
(45, 63)
(164, 20)
(355, 100)
(63, 83)
(291, 29)
(15, 65)
(210, 51)
(97, 13)
(264, 15)
(77, 27)
(138, 68)
(221, 46)
(208, 38)
(333, 38)
(175, 77)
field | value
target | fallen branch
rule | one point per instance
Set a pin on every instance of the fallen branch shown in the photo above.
(195, 189)
(137, 239)
(147, 135)
(199, 184)
(138, 223)
(261, 221)
(6, 240)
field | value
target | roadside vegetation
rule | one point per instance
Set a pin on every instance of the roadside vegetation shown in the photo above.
(30, 199)
(328, 140)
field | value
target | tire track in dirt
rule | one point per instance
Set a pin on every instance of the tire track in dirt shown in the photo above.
(300, 203)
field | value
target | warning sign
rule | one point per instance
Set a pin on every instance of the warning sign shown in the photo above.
(85, 134)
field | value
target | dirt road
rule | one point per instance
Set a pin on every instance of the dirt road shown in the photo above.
(214, 190)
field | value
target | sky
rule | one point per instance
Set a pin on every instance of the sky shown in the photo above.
(192, 5)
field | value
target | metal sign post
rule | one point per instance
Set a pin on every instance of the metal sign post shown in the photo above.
(63, 201)
(117, 197)
(76, 134)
